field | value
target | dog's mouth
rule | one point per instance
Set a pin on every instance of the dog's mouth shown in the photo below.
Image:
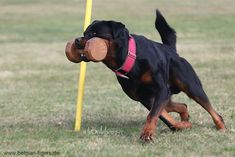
(80, 49)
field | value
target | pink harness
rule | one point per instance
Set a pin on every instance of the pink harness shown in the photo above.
(130, 60)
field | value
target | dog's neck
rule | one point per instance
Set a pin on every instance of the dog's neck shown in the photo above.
(122, 61)
(115, 57)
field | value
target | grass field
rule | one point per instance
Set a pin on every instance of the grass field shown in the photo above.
(38, 85)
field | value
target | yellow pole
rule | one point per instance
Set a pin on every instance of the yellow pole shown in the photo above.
(82, 76)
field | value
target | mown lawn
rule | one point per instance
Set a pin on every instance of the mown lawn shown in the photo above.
(38, 85)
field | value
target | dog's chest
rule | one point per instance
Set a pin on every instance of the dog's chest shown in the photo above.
(146, 78)
(138, 89)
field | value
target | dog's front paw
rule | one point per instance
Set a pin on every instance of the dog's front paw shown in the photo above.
(146, 137)
(147, 133)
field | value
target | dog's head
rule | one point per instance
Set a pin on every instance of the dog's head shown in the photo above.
(96, 41)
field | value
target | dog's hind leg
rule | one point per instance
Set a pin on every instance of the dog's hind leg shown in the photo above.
(179, 108)
(168, 119)
(218, 120)
(175, 124)
(187, 81)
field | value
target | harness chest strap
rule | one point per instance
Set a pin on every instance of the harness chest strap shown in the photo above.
(129, 61)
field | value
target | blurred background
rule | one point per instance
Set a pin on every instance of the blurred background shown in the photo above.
(38, 85)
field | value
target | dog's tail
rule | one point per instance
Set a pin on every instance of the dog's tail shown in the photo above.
(168, 34)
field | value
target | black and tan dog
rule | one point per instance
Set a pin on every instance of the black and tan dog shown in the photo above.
(155, 72)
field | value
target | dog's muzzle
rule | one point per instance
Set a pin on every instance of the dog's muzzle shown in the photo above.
(94, 49)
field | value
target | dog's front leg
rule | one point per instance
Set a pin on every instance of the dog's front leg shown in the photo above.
(149, 128)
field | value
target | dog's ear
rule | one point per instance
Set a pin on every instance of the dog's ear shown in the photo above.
(120, 35)
(118, 29)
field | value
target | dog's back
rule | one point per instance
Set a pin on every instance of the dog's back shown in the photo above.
(168, 34)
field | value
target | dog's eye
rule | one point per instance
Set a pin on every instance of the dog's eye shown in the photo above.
(91, 34)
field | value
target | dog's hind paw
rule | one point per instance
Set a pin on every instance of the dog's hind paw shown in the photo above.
(183, 125)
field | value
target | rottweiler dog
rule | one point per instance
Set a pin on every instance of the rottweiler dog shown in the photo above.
(155, 73)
